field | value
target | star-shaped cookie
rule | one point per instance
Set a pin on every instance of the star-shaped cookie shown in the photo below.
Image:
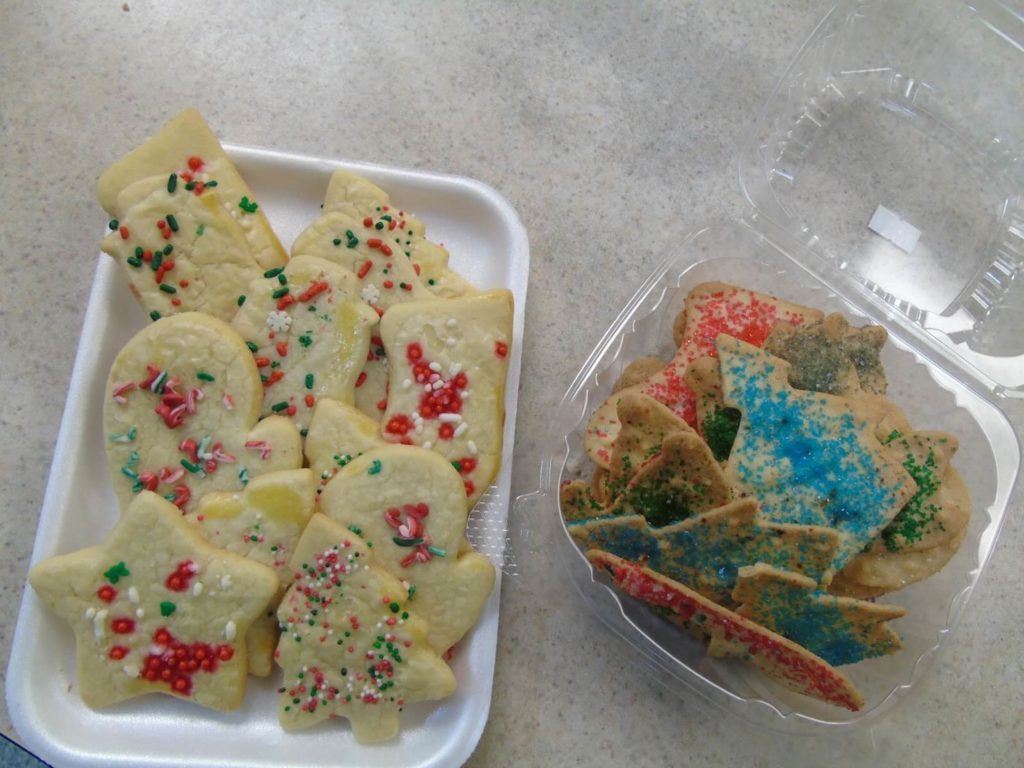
(155, 608)
(263, 523)
(349, 645)
(181, 411)
(807, 458)
(410, 504)
(311, 332)
(841, 630)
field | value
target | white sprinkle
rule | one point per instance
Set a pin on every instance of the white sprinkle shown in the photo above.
(472, 448)
(193, 567)
(133, 595)
(370, 293)
(450, 342)
(435, 367)
(449, 418)
(454, 368)
(439, 384)
(428, 445)
(279, 321)
(466, 394)
(452, 322)
(428, 388)
(99, 629)
(230, 630)
(418, 429)
(139, 613)
(131, 670)
(406, 383)
(225, 581)
(461, 429)
(197, 589)
(90, 612)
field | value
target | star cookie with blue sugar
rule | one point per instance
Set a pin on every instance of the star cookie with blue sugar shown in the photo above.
(808, 458)
(841, 630)
(706, 552)
(155, 608)
(730, 634)
(365, 656)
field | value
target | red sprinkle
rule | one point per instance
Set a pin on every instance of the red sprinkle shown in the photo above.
(374, 242)
(262, 362)
(382, 405)
(106, 593)
(361, 379)
(285, 301)
(314, 290)
(195, 163)
(310, 401)
(368, 222)
(386, 249)
(388, 284)
(282, 348)
(122, 625)
(123, 230)
(365, 268)
(118, 652)
(501, 349)
(273, 378)
(179, 579)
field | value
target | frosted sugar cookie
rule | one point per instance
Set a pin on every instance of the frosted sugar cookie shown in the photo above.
(807, 457)
(181, 412)
(710, 309)
(841, 630)
(180, 252)
(338, 433)
(360, 199)
(311, 332)
(410, 504)
(448, 360)
(187, 149)
(263, 522)
(155, 608)
(732, 635)
(364, 656)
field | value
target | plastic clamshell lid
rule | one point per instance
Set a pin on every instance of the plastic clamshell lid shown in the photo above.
(902, 116)
(989, 459)
(489, 247)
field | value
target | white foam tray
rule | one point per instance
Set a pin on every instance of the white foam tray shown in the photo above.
(489, 247)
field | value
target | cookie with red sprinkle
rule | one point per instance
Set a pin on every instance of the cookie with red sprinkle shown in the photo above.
(448, 361)
(350, 647)
(410, 505)
(155, 608)
(181, 414)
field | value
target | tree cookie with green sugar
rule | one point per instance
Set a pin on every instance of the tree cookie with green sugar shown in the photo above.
(831, 356)
(349, 645)
(707, 551)
(716, 422)
(808, 458)
(155, 608)
(410, 505)
(263, 522)
(180, 252)
(732, 635)
(578, 503)
(362, 200)
(185, 153)
(710, 309)
(841, 630)
(181, 414)
(338, 433)
(681, 481)
(310, 333)
(448, 359)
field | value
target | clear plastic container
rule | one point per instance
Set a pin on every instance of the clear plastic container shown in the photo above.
(899, 115)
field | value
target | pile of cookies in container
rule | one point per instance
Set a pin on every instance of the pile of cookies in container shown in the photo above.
(295, 442)
(761, 491)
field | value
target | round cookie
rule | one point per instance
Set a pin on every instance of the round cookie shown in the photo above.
(181, 413)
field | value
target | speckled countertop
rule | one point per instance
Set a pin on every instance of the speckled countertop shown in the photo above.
(611, 127)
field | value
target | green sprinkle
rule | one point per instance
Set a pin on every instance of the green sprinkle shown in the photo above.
(430, 281)
(205, 376)
(168, 288)
(282, 279)
(337, 241)
(243, 475)
(278, 407)
(154, 315)
(436, 551)
(167, 608)
(379, 225)
(375, 467)
(193, 468)
(282, 291)
(407, 542)
(309, 381)
(247, 205)
(305, 339)
(252, 347)
(168, 249)
(129, 473)
(172, 222)
(138, 252)
(241, 299)
(303, 432)
(200, 230)
(395, 607)
(212, 183)
(190, 186)
(356, 530)
(158, 259)
(412, 591)
(117, 572)
(353, 241)
(172, 183)
(114, 224)
(273, 272)
(134, 262)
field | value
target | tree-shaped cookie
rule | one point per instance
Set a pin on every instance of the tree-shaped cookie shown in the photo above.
(448, 361)
(263, 522)
(180, 252)
(409, 503)
(710, 309)
(629, 537)
(807, 457)
(349, 647)
(707, 551)
(309, 331)
(155, 608)
(731, 635)
(840, 630)
(360, 199)
(338, 433)
(181, 411)
(187, 149)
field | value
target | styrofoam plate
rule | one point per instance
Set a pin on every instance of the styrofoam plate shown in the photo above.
(489, 247)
